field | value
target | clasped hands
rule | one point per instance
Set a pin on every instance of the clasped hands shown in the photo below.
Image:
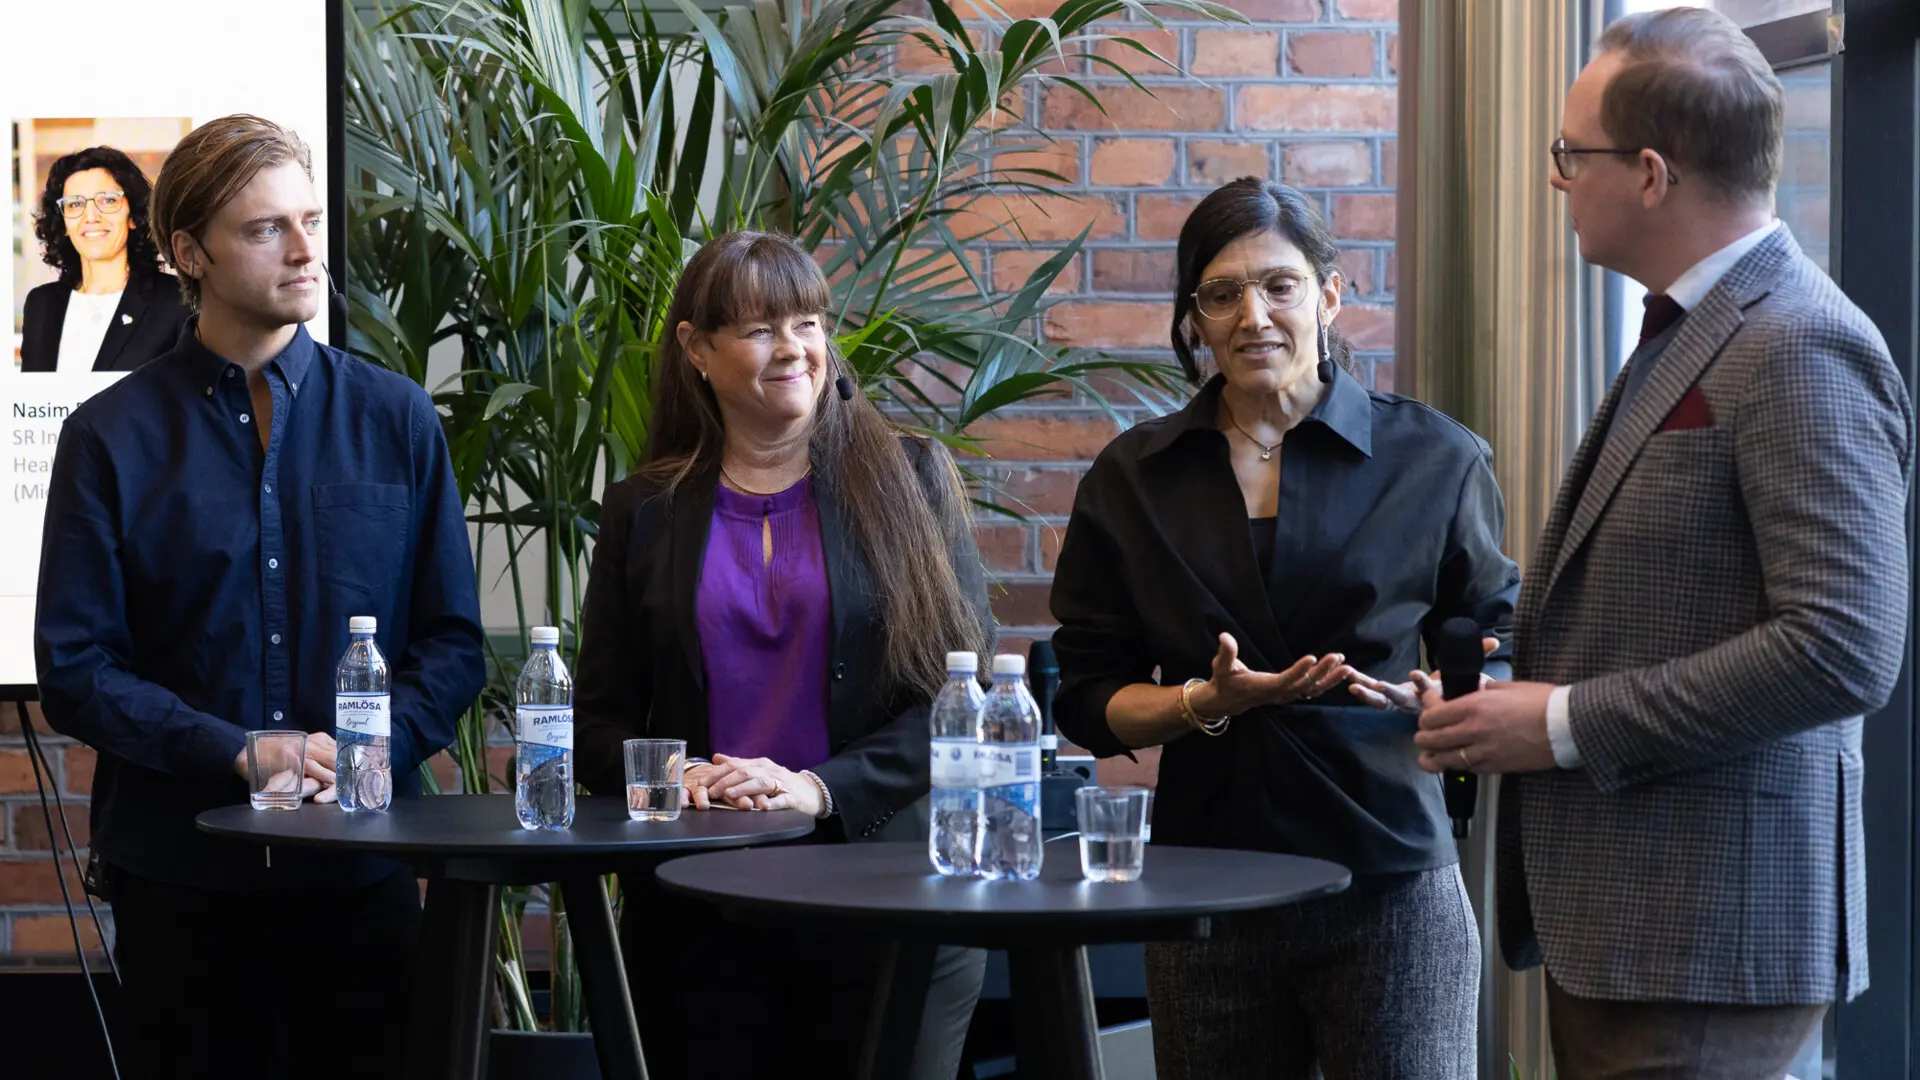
(750, 784)
(317, 783)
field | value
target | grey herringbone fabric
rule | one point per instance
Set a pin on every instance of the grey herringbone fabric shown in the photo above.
(1726, 603)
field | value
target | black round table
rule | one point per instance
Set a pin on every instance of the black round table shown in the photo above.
(467, 846)
(889, 891)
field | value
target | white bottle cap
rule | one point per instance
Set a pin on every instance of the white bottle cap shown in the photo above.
(963, 661)
(1009, 664)
(362, 624)
(546, 635)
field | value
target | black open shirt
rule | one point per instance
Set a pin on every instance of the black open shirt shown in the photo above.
(1389, 524)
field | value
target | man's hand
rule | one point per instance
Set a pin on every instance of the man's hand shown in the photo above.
(1235, 687)
(1410, 696)
(317, 783)
(1501, 729)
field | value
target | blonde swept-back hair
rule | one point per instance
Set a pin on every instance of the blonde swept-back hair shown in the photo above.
(203, 173)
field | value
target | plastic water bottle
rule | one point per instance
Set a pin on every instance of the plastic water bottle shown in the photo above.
(1010, 774)
(363, 721)
(543, 736)
(953, 843)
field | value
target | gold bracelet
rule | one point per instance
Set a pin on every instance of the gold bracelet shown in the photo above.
(1205, 725)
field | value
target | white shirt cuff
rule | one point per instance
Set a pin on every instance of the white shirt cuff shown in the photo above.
(1560, 728)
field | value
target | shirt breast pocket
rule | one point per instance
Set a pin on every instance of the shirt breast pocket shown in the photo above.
(360, 533)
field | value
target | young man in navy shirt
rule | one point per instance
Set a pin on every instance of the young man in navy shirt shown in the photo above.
(213, 520)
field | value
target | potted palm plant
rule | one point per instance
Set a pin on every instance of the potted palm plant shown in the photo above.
(527, 178)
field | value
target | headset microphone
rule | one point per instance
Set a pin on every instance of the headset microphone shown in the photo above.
(336, 299)
(1461, 660)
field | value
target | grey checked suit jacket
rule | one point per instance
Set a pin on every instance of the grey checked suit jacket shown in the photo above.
(1726, 603)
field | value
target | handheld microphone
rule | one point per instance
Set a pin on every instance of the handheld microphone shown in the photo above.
(1461, 660)
(1043, 677)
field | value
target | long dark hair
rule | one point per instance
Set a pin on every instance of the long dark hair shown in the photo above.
(1244, 207)
(143, 258)
(857, 453)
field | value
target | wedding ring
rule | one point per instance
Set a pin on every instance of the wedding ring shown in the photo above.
(1464, 759)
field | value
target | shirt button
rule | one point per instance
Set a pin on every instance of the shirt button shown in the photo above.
(278, 715)
(243, 418)
(839, 671)
(276, 640)
(273, 564)
(230, 374)
(268, 488)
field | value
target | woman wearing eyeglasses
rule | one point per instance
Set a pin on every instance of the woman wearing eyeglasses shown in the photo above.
(1277, 551)
(113, 308)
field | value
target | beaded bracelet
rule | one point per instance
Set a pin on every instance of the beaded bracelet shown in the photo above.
(1216, 725)
(826, 796)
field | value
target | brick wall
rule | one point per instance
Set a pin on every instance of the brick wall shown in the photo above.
(1304, 94)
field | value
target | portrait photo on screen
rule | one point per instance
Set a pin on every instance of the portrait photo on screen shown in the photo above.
(90, 291)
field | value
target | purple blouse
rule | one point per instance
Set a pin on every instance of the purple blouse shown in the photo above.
(766, 628)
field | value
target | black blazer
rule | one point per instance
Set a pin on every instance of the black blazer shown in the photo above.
(640, 673)
(146, 324)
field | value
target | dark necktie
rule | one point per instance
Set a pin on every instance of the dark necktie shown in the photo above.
(1662, 311)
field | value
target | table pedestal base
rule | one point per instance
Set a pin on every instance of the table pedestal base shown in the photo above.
(1055, 1032)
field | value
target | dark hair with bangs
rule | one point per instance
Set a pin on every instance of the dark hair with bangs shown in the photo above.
(858, 455)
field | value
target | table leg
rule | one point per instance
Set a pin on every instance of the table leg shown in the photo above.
(899, 1002)
(453, 981)
(1056, 1035)
(603, 979)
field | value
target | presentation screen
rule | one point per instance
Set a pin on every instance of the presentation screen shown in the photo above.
(91, 93)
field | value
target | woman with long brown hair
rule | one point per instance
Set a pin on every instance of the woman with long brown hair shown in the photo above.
(778, 584)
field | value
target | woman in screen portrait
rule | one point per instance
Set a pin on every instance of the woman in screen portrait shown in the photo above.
(113, 308)
(1243, 583)
(778, 584)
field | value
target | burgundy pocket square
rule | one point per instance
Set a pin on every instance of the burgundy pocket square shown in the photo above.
(1691, 414)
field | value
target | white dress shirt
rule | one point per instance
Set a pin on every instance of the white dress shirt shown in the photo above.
(1687, 290)
(84, 328)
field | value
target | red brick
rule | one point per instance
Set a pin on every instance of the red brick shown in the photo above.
(1383, 376)
(1331, 56)
(1393, 54)
(1280, 10)
(1118, 324)
(1214, 163)
(1060, 157)
(1045, 217)
(1366, 327)
(1003, 548)
(1119, 772)
(1326, 164)
(1167, 108)
(1393, 268)
(1307, 107)
(1035, 491)
(32, 881)
(1356, 266)
(1370, 10)
(1022, 603)
(30, 826)
(16, 772)
(445, 772)
(1390, 163)
(1131, 270)
(45, 934)
(1363, 217)
(10, 719)
(1050, 537)
(1159, 217)
(1043, 437)
(913, 54)
(1012, 646)
(1164, 43)
(1013, 9)
(1236, 52)
(80, 762)
(1012, 267)
(1132, 162)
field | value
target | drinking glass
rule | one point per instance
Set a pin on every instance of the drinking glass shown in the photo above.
(653, 778)
(1113, 832)
(276, 765)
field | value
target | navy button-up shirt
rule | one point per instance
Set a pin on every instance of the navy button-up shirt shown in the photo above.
(195, 587)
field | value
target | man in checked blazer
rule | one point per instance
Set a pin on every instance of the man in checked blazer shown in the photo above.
(1720, 593)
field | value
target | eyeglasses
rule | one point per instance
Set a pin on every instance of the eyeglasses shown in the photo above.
(107, 202)
(1219, 298)
(1566, 158)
